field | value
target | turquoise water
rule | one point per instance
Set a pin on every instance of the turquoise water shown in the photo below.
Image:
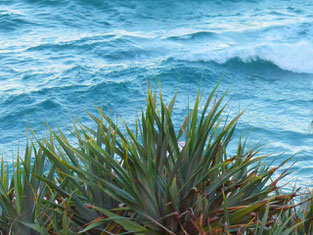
(57, 57)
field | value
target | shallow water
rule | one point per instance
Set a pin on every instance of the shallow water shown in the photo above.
(57, 57)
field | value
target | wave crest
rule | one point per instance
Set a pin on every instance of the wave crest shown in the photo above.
(297, 58)
(193, 36)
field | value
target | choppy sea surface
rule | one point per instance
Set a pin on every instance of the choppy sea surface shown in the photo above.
(58, 58)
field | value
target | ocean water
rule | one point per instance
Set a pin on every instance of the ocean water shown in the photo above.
(58, 58)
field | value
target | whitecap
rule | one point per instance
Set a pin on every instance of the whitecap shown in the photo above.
(294, 57)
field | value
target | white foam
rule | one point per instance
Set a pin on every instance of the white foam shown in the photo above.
(295, 57)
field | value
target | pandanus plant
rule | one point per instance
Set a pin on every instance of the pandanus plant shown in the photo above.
(27, 204)
(144, 181)
(21, 193)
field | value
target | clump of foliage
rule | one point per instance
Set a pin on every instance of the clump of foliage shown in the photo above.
(145, 181)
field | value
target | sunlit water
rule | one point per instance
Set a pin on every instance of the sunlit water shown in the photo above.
(57, 58)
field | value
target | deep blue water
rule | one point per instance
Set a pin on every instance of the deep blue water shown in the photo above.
(58, 57)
